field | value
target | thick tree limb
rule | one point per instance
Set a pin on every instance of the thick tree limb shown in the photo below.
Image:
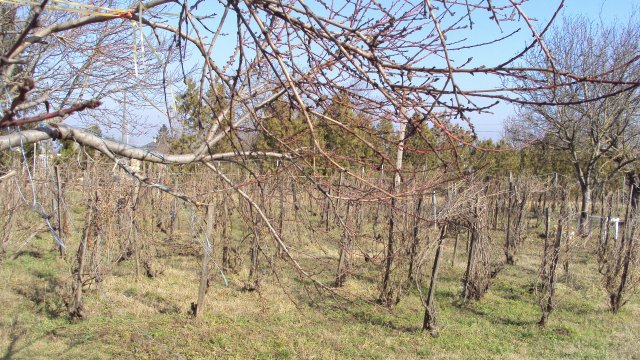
(65, 132)
(9, 120)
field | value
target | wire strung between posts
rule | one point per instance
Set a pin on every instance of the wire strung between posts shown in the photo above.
(207, 243)
(35, 206)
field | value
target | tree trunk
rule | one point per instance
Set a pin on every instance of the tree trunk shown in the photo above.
(625, 254)
(344, 262)
(550, 266)
(198, 308)
(74, 303)
(455, 248)
(386, 294)
(509, 247)
(585, 206)
(133, 226)
(226, 233)
(430, 314)
(254, 275)
(59, 203)
(414, 245)
(634, 184)
(279, 251)
(470, 248)
(478, 272)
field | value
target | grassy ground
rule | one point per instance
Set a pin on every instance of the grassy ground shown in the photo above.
(148, 318)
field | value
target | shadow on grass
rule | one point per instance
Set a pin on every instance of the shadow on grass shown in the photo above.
(47, 296)
(367, 317)
(16, 334)
(30, 253)
(494, 318)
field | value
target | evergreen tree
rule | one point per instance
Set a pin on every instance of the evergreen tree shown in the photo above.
(345, 138)
(196, 115)
(282, 129)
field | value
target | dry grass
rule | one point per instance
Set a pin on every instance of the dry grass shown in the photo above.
(148, 318)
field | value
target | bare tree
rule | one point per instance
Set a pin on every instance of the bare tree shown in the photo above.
(618, 257)
(551, 259)
(386, 66)
(601, 137)
(401, 64)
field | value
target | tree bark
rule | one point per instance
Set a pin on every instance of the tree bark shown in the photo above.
(585, 206)
(430, 314)
(415, 240)
(550, 267)
(344, 262)
(208, 254)
(59, 203)
(386, 294)
(509, 238)
(74, 304)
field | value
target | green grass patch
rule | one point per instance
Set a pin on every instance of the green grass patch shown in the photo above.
(148, 318)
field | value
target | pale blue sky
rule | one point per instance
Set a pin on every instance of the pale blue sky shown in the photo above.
(490, 125)
(607, 11)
